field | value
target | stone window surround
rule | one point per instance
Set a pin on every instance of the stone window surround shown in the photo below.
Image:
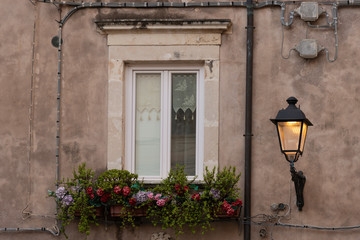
(169, 42)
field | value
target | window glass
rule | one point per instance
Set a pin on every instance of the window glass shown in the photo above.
(164, 112)
(147, 124)
(183, 121)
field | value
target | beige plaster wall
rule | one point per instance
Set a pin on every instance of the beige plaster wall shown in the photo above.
(328, 93)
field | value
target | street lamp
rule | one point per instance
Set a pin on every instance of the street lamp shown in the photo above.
(292, 125)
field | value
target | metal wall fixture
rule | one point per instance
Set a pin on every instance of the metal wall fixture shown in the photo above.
(292, 124)
(309, 48)
(311, 12)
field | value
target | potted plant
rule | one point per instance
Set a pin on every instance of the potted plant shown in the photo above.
(222, 192)
(177, 202)
(120, 191)
(174, 203)
(72, 200)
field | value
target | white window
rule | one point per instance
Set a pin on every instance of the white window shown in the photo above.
(196, 43)
(164, 123)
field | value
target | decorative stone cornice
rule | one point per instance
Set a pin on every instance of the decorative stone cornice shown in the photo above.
(217, 25)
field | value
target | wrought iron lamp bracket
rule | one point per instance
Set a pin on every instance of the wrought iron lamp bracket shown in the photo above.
(299, 181)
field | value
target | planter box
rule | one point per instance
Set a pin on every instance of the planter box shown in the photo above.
(121, 211)
(221, 213)
(99, 212)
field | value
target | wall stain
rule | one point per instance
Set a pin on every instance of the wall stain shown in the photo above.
(119, 232)
(72, 151)
(130, 14)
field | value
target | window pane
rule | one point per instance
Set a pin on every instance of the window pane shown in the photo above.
(147, 124)
(183, 121)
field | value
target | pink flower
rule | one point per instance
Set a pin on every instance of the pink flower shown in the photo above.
(126, 191)
(132, 201)
(150, 195)
(157, 196)
(117, 189)
(100, 192)
(92, 196)
(226, 205)
(161, 202)
(230, 212)
(89, 190)
(196, 197)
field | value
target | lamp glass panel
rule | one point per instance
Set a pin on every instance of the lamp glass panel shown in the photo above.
(289, 133)
(291, 156)
(303, 136)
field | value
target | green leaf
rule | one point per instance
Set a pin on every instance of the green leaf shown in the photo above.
(136, 186)
(195, 187)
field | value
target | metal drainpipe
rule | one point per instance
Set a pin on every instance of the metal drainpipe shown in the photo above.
(54, 231)
(248, 115)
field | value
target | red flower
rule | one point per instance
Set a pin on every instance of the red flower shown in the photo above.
(196, 197)
(132, 201)
(239, 202)
(126, 191)
(105, 197)
(230, 212)
(186, 188)
(117, 189)
(100, 192)
(92, 196)
(177, 187)
(226, 205)
(89, 190)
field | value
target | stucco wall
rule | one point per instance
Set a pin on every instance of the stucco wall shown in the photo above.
(327, 92)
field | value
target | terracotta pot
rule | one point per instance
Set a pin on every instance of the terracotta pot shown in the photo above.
(99, 211)
(121, 211)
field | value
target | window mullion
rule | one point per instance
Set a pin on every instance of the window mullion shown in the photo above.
(168, 118)
(164, 161)
(199, 125)
(133, 117)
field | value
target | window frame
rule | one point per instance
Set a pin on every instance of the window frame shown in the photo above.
(165, 140)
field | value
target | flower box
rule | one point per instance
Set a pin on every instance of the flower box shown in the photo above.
(222, 213)
(121, 211)
(99, 212)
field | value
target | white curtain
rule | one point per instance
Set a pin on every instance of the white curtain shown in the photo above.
(147, 126)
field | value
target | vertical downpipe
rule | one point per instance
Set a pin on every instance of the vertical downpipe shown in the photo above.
(248, 116)
(58, 100)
